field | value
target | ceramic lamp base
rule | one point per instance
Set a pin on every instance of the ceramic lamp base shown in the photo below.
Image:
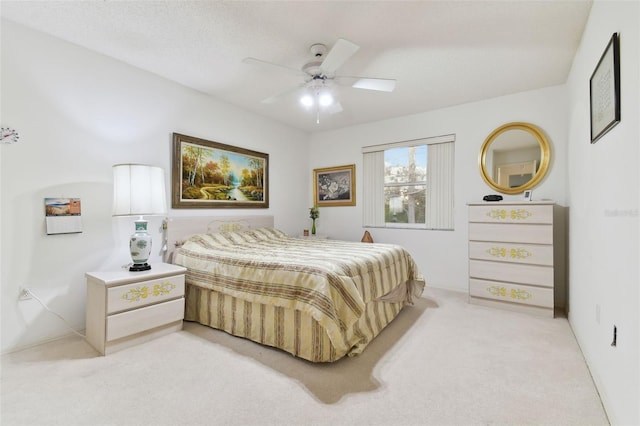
(140, 246)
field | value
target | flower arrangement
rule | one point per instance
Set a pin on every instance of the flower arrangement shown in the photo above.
(314, 213)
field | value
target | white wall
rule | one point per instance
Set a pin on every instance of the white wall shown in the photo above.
(603, 190)
(78, 113)
(442, 255)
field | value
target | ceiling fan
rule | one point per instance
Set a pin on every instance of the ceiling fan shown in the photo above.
(319, 77)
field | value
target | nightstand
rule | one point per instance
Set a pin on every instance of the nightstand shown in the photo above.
(126, 308)
(314, 237)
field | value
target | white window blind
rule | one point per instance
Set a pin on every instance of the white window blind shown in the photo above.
(373, 185)
(438, 186)
(440, 162)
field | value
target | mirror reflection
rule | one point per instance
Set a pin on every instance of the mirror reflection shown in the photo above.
(514, 158)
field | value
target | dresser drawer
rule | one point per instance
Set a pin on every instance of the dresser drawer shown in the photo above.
(509, 292)
(143, 319)
(144, 293)
(510, 272)
(542, 214)
(509, 252)
(505, 232)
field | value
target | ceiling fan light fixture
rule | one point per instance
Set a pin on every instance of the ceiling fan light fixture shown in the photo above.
(334, 108)
(318, 92)
(325, 98)
(307, 100)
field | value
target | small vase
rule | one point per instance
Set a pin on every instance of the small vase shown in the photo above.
(313, 227)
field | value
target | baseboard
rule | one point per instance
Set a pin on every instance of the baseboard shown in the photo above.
(462, 290)
(599, 385)
(20, 348)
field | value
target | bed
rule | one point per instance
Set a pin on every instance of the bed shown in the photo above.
(317, 299)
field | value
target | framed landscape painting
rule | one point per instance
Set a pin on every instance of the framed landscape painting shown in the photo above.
(335, 186)
(207, 174)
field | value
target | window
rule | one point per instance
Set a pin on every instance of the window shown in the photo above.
(405, 180)
(409, 184)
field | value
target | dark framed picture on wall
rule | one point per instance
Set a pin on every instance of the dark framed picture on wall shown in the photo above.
(207, 174)
(604, 91)
(335, 186)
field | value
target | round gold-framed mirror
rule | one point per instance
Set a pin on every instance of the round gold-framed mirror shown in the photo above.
(514, 158)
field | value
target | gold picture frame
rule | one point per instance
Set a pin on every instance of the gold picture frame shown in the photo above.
(335, 186)
(207, 174)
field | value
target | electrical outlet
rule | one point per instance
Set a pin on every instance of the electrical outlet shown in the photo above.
(614, 343)
(24, 294)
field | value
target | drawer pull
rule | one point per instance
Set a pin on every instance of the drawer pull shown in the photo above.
(513, 293)
(501, 214)
(513, 253)
(135, 294)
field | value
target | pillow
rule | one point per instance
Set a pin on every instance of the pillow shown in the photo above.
(241, 237)
(266, 233)
(220, 238)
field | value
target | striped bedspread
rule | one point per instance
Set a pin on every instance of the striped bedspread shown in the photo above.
(329, 280)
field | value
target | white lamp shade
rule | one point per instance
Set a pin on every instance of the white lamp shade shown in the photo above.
(138, 189)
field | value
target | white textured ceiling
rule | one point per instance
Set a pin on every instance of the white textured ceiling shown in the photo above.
(441, 53)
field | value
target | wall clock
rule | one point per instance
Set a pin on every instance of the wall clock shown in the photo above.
(8, 135)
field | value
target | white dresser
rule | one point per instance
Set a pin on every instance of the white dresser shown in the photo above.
(126, 308)
(511, 255)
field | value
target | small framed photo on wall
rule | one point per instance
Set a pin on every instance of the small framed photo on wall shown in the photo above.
(527, 195)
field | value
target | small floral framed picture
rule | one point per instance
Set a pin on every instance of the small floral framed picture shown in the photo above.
(335, 186)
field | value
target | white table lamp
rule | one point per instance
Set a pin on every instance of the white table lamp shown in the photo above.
(138, 190)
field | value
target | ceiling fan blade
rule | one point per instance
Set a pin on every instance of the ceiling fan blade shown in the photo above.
(338, 55)
(334, 108)
(275, 98)
(367, 83)
(380, 84)
(260, 62)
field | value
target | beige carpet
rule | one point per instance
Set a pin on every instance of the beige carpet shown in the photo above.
(441, 362)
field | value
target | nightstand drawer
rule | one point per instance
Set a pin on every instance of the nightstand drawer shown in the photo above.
(532, 254)
(143, 319)
(144, 293)
(508, 292)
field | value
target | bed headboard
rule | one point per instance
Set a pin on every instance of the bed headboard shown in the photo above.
(179, 228)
